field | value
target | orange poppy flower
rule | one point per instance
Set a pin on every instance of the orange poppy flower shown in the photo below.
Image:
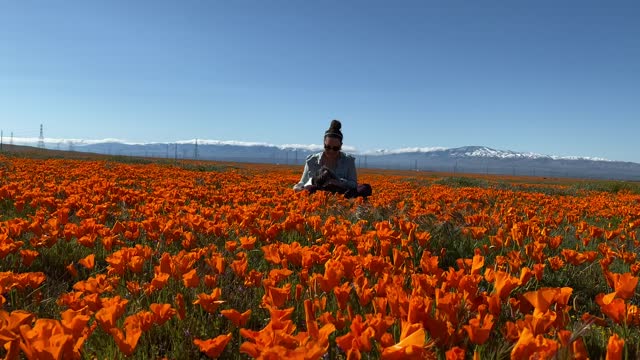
(624, 286)
(248, 242)
(75, 321)
(342, 294)
(240, 265)
(128, 340)
(364, 292)
(209, 302)
(189, 240)
(237, 318)
(112, 310)
(117, 263)
(271, 253)
(71, 268)
(423, 237)
(213, 347)
(357, 340)
(529, 345)
(299, 291)
(610, 235)
(135, 264)
(538, 271)
(231, 245)
(477, 264)
(333, 273)
(504, 284)
(615, 309)
(134, 287)
(310, 319)
(277, 296)
(574, 348)
(476, 232)
(110, 241)
(541, 299)
(380, 324)
(28, 256)
(160, 280)
(46, 340)
(615, 347)
(556, 263)
(455, 353)
(144, 319)
(162, 312)
(314, 347)
(412, 346)
(479, 329)
(179, 302)
(10, 324)
(191, 279)
(88, 261)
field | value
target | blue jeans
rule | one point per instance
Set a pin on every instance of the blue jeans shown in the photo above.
(362, 190)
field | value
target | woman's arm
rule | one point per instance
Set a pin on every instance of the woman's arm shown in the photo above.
(303, 180)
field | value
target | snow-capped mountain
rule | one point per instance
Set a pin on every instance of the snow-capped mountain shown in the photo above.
(467, 159)
(478, 151)
(480, 159)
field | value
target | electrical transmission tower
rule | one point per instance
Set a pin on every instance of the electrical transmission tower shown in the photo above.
(41, 138)
(11, 141)
(195, 152)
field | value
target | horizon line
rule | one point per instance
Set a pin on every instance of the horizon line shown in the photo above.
(307, 147)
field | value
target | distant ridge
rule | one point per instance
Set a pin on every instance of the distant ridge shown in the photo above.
(466, 159)
(480, 151)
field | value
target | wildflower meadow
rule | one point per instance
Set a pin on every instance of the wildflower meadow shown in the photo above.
(113, 258)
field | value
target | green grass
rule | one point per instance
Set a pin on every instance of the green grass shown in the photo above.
(612, 187)
(459, 182)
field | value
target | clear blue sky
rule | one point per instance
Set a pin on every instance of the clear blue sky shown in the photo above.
(552, 77)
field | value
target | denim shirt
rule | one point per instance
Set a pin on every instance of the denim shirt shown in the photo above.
(345, 170)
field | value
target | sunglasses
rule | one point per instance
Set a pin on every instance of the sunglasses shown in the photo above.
(334, 148)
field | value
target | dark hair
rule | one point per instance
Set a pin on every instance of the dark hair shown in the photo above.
(334, 130)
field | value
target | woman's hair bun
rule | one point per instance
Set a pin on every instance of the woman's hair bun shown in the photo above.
(334, 130)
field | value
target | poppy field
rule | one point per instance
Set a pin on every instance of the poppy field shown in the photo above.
(111, 259)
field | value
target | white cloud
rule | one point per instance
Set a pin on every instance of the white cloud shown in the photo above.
(32, 141)
(403, 150)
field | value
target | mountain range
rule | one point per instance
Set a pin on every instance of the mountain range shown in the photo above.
(467, 159)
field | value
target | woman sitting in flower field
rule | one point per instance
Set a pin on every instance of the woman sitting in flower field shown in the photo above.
(332, 170)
